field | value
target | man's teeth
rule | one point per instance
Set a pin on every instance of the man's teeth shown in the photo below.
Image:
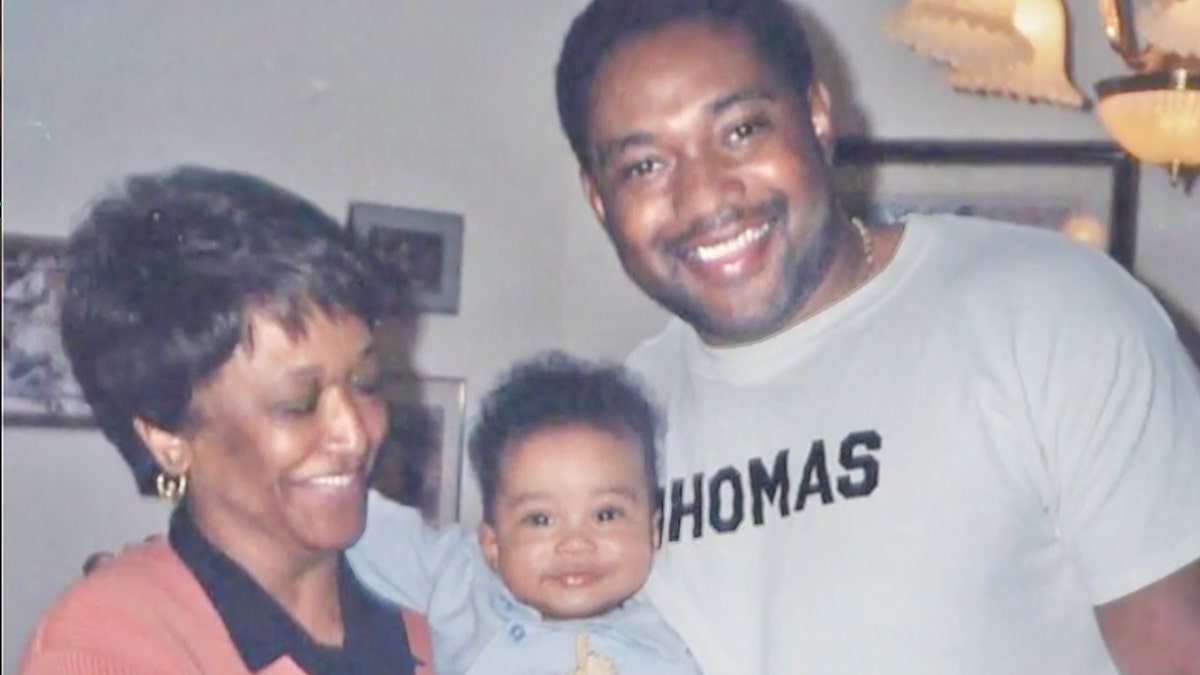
(341, 480)
(719, 250)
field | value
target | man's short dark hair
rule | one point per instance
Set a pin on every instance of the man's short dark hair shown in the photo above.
(555, 390)
(161, 277)
(771, 25)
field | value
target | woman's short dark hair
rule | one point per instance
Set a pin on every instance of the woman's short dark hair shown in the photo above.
(162, 275)
(554, 390)
(772, 26)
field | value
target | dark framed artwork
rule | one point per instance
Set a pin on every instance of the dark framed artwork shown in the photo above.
(425, 247)
(1087, 191)
(421, 460)
(39, 389)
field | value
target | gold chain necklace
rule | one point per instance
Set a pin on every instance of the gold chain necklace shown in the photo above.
(868, 245)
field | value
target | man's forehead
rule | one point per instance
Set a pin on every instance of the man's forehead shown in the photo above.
(688, 38)
(664, 74)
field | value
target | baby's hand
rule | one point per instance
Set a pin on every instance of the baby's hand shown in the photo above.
(590, 663)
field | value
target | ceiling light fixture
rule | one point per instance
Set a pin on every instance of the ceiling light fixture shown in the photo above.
(1018, 48)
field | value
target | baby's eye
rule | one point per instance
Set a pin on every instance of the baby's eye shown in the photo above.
(536, 520)
(609, 513)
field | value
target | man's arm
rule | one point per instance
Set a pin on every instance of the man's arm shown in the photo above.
(1156, 630)
(1115, 403)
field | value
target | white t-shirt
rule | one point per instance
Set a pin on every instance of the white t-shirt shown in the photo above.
(941, 473)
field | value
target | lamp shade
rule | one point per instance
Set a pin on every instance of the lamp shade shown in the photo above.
(1154, 116)
(1043, 77)
(960, 33)
(1172, 26)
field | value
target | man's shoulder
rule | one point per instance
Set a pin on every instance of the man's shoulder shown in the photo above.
(980, 241)
(1036, 278)
(1002, 257)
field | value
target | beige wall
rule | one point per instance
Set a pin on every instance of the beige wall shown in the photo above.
(443, 104)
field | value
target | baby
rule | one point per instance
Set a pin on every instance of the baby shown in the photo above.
(565, 454)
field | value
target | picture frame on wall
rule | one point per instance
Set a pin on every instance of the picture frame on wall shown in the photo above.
(39, 389)
(1086, 191)
(420, 462)
(424, 247)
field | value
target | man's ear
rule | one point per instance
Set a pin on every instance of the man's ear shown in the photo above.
(489, 546)
(820, 109)
(171, 451)
(591, 192)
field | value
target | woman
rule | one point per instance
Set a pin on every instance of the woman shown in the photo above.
(221, 329)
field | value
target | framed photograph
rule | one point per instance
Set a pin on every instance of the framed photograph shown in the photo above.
(423, 246)
(421, 461)
(39, 389)
(1086, 191)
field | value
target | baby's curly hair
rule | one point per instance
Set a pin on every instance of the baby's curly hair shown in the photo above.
(555, 389)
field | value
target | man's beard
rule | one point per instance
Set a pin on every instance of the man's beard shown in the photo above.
(801, 271)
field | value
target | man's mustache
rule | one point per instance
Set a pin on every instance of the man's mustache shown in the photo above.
(773, 208)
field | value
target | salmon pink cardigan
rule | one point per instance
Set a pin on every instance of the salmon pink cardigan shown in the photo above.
(146, 614)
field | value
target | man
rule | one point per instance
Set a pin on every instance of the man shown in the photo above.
(944, 446)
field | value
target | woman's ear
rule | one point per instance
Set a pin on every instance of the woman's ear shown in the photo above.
(489, 546)
(171, 451)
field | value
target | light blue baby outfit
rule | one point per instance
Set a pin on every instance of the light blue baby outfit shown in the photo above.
(477, 627)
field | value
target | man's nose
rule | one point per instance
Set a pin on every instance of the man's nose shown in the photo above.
(704, 186)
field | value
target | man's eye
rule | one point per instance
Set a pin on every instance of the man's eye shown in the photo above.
(745, 130)
(640, 169)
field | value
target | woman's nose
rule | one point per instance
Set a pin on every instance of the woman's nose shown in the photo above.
(347, 423)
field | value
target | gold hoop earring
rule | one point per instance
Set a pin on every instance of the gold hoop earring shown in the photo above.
(170, 487)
